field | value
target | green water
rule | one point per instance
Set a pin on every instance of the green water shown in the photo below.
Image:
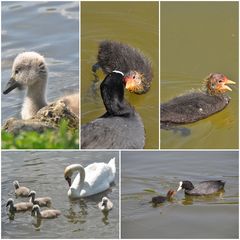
(198, 38)
(133, 23)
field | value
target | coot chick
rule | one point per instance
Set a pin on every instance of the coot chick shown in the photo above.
(135, 66)
(120, 127)
(203, 188)
(162, 199)
(195, 106)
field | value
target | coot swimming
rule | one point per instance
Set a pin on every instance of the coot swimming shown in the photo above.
(203, 188)
(195, 106)
(120, 127)
(162, 199)
(135, 66)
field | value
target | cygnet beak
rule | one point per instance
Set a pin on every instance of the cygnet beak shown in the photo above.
(12, 84)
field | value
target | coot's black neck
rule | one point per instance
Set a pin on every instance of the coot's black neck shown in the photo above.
(112, 92)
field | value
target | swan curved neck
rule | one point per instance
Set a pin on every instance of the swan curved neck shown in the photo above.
(80, 169)
(38, 212)
(35, 99)
(32, 198)
(12, 208)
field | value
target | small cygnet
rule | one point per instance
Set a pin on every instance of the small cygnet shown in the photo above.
(30, 70)
(18, 207)
(20, 191)
(50, 213)
(42, 202)
(105, 205)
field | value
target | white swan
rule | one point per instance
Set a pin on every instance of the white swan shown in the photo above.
(93, 179)
(30, 70)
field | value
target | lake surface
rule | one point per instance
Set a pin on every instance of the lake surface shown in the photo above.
(184, 217)
(43, 172)
(198, 38)
(133, 23)
(49, 28)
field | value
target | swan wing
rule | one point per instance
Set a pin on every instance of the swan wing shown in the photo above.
(98, 178)
(112, 165)
(97, 173)
(98, 187)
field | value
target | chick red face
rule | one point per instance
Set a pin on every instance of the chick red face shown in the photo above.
(135, 82)
(216, 83)
(171, 193)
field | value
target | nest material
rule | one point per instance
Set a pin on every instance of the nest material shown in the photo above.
(49, 117)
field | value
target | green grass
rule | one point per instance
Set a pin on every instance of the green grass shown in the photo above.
(61, 139)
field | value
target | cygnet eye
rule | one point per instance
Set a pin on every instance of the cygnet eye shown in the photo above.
(16, 71)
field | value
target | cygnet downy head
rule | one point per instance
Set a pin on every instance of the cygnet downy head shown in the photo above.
(29, 68)
(105, 205)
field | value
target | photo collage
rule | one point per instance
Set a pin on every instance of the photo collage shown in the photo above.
(120, 119)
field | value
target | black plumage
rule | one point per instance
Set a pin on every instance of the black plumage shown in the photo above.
(120, 127)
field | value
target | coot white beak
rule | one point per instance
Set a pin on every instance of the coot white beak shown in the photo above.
(180, 186)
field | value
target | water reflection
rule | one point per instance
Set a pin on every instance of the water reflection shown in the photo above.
(11, 216)
(37, 222)
(189, 200)
(105, 218)
(79, 215)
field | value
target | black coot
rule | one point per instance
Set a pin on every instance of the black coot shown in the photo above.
(202, 188)
(135, 66)
(161, 199)
(120, 127)
(195, 106)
